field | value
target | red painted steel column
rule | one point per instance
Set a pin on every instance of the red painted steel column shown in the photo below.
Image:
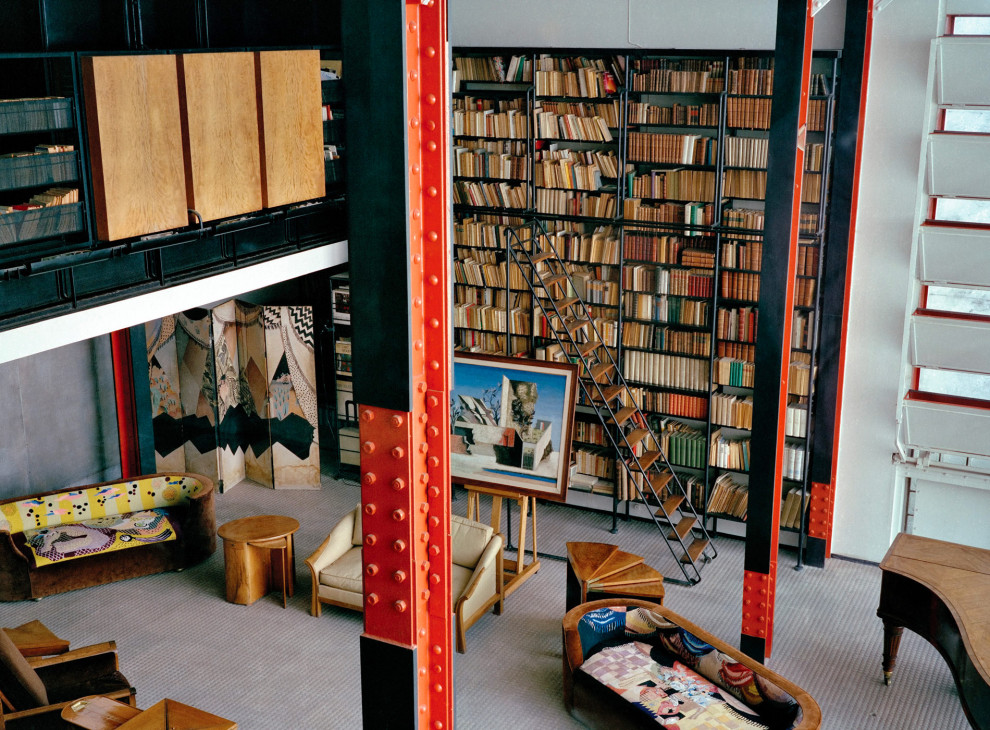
(404, 456)
(760, 574)
(123, 387)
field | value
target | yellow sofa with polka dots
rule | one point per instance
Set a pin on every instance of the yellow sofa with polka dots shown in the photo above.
(173, 526)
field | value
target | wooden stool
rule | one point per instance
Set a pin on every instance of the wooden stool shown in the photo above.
(599, 570)
(281, 544)
(35, 639)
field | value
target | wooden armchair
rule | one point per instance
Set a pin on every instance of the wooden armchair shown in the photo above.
(476, 570)
(33, 691)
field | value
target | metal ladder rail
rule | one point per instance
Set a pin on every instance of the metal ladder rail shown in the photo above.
(632, 465)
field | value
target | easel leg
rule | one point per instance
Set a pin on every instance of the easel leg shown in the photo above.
(521, 555)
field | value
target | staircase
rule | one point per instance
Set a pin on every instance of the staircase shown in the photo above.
(642, 466)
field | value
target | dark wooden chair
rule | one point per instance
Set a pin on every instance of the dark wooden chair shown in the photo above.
(34, 690)
(598, 706)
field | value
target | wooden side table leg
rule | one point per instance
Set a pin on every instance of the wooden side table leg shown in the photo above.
(521, 555)
(891, 643)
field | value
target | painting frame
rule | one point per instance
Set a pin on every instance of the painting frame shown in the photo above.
(511, 423)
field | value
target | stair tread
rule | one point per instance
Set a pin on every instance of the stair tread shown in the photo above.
(623, 414)
(587, 557)
(646, 459)
(554, 279)
(542, 256)
(634, 575)
(617, 562)
(695, 549)
(682, 528)
(610, 392)
(601, 370)
(637, 435)
(574, 323)
(586, 348)
(566, 302)
(670, 505)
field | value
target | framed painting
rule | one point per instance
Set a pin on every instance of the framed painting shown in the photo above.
(511, 423)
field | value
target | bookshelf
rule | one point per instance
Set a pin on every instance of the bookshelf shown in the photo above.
(648, 170)
(344, 414)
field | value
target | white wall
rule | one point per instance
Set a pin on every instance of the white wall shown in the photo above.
(868, 506)
(868, 510)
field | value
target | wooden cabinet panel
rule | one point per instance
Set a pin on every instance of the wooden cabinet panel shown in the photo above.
(135, 140)
(218, 98)
(291, 127)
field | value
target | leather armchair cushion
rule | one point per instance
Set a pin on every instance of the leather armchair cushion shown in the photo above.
(345, 572)
(356, 537)
(92, 675)
(468, 540)
(19, 682)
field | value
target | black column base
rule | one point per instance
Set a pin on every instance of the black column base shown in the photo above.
(814, 552)
(753, 647)
(388, 702)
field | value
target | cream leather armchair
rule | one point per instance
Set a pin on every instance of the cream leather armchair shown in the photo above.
(475, 577)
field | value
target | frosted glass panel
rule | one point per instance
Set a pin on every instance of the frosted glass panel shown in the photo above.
(958, 163)
(961, 62)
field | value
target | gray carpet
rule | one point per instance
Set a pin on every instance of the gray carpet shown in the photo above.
(269, 668)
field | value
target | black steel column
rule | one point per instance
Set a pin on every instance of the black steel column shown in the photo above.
(838, 258)
(792, 67)
(144, 418)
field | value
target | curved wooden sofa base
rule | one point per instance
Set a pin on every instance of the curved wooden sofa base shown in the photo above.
(573, 658)
(196, 541)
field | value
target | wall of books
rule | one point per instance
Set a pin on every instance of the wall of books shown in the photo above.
(648, 170)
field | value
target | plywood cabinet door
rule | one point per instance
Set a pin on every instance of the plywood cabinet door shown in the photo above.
(218, 97)
(135, 142)
(291, 126)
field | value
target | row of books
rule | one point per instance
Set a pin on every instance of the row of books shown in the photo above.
(663, 308)
(609, 111)
(679, 115)
(516, 148)
(342, 356)
(493, 68)
(569, 174)
(571, 127)
(668, 81)
(480, 273)
(512, 124)
(658, 280)
(802, 330)
(583, 82)
(742, 255)
(606, 162)
(799, 376)
(492, 297)
(693, 213)
(672, 185)
(728, 452)
(482, 232)
(791, 512)
(683, 444)
(482, 163)
(735, 350)
(665, 371)
(796, 420)
(682, 149)
(729, 497)
(595, 463)
(658, 249)
(45, 164)
(739, 285)
(753, 152)
(734, 372)
(751, 81)
(601, 246)
(487, 317)
(567, 202)
(590, 432)
(488, 343)
(736, 323)
(674, 404)
(490, 194)
(807, 263)
(47, 199)
(732, 410)
(666, 339)
(794, 458)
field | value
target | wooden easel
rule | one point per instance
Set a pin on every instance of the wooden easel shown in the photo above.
(512, 577)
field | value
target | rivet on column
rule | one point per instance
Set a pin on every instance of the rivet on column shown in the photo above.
(369, 478)
(399, 576)
(368, 447)
(399, 606)
(399, 546)
(396, 421)
(398, 452)
(398, 515)
(367, 415)
(370, 540)
(398, 484)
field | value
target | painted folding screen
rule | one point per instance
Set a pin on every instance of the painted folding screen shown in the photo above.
(233, 394)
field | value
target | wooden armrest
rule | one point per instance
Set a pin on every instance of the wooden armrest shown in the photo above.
(81, 653)
(58, 707)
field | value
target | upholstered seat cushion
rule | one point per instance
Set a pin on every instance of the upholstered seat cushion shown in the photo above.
(459, 579)
(345, 572)
(468, 540)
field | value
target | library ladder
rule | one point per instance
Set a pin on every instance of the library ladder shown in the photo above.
(641, 461)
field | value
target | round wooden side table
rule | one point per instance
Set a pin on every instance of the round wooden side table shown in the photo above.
(248, 544)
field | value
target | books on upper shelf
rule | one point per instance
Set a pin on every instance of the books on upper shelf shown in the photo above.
(341, 304)
(342, 356)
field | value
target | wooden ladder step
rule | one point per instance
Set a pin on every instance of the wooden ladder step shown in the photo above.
(660, 480)
(563, 304)
(636, 435)
(586, 348)
(682, 528)
(611, 393)
(645, 460)
(695, 549)
(669, 506)
(543, 256)
(573, 324)
(602, 372)
(623, 414)
(555, 279)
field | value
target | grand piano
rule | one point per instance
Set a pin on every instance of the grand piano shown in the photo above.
(941, 591)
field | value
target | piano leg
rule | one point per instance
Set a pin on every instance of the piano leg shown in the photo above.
(891, 643)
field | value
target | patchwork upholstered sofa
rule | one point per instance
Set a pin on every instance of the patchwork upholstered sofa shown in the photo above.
(634, 664)
(74, 538)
